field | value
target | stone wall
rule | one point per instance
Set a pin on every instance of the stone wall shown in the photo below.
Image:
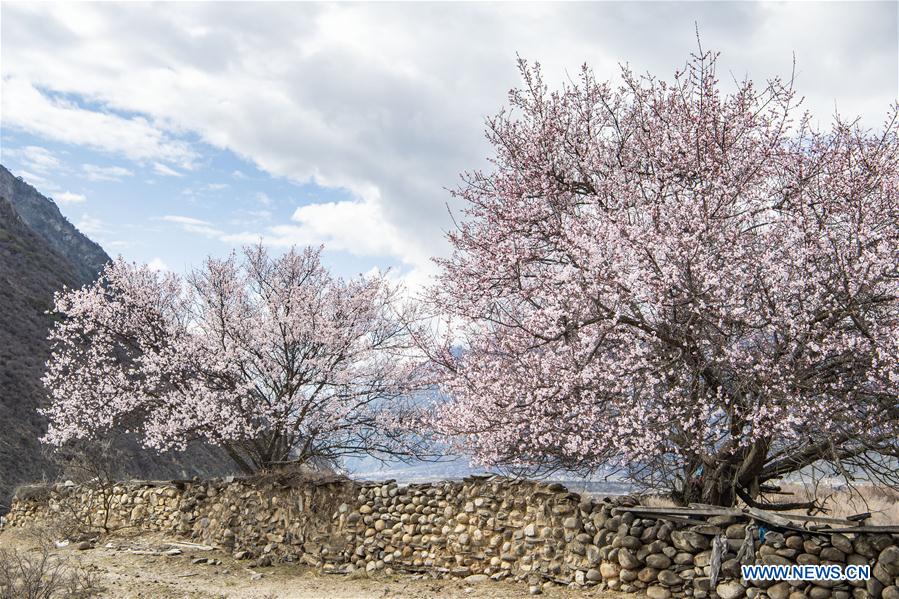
(481, 527)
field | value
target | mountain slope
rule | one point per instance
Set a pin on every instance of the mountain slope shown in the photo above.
(32, 268)
(29, 270)
(44, 219)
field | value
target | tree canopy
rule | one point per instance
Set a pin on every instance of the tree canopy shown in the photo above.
(270, 357)
(697, 286)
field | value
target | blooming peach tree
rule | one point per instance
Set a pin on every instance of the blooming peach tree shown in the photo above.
(695, 286)
(271, 358)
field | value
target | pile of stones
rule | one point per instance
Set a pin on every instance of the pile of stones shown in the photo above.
(674, 560)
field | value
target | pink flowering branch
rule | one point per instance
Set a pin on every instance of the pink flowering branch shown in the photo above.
(271, 358)
(695, 286)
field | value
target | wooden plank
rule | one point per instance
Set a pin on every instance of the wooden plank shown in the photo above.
(781, 522)
(681, 511)
(804, 518)
(890, 529)
(679, 519)
(786, 521)
(187, 545)
(707, 506)
(769, 518)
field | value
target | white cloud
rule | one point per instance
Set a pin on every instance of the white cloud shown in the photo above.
(92, 172)
(90, 225)
(36, 180)
(161, 169)
(250, 217)
(387, 101)
(183, 220)
(28, 108)
(358, 227)
(35, 158)
(68, 197)
(194, 225)
(158, 264)
(263, 198)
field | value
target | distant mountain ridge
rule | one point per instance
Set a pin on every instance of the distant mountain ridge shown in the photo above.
(43, 217)
(40, 253)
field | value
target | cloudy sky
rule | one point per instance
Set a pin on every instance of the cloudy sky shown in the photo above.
(168, 132)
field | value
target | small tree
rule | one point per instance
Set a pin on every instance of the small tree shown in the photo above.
(271, 358)
(695, 286)
(98, 465)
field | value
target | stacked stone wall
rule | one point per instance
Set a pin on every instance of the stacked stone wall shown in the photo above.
(481, 527)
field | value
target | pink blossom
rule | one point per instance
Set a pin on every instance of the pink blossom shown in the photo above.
(696, 286)
(270, 357)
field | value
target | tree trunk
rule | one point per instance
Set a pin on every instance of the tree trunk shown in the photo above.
(711, 489)
(234, 452)
(720, 485)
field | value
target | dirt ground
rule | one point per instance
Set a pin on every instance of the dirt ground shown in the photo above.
(136, 567)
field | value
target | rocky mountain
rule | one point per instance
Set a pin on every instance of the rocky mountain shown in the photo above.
(40, 253)
(44, 219)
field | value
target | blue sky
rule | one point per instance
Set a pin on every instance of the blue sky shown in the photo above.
(170, 217)
(169, 132)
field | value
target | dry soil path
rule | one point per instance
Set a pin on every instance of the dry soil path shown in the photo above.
(136, 568)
